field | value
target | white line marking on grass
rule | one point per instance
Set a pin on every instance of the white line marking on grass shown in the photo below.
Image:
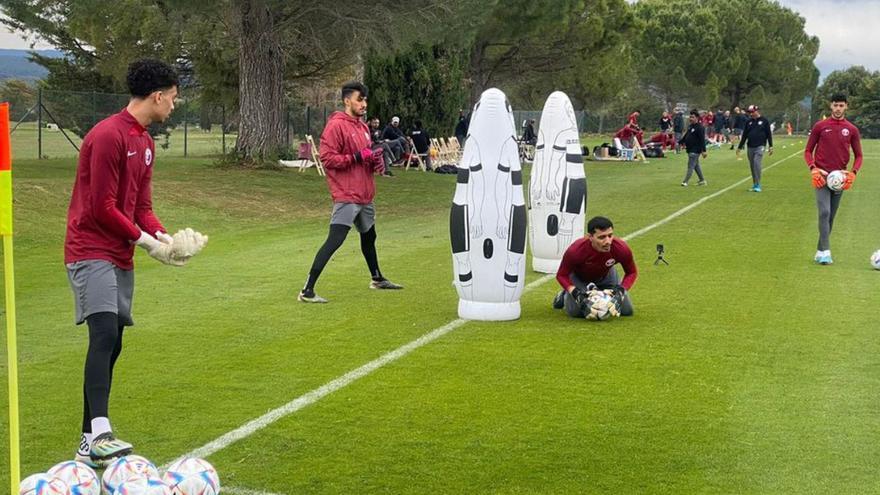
(328, 388)
(700, 201)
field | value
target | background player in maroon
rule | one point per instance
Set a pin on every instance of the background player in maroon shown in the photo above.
(591, 260)
(110, 212)
(828, 149)
(350, 162)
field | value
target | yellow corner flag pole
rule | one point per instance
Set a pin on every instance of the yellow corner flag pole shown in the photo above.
(11, 347)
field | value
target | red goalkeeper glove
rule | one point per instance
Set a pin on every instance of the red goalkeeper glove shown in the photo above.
(364, 156)
(848, 182)
(818, 177)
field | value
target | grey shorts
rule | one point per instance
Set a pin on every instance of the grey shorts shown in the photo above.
(362, 217)
(101, 287)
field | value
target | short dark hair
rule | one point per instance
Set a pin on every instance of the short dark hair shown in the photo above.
(148, 75)
(351, 86)
(418, 124)
(598, 223)
(838, 97)
(695, 113)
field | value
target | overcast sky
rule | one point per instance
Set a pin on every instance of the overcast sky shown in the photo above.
(848, 30)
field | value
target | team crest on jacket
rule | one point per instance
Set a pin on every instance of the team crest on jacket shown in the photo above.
(845, 132)
(148, 156)
(610, 262)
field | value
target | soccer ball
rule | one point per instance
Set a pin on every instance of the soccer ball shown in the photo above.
(600, 306)
(835, 180)
(143, 485)
(78, 477)
(192, 476)
(875, 260)
(127, 467)
(42, 484)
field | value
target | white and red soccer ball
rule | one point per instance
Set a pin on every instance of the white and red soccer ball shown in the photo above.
(42, 484)
(124, 468)
(835, 180)
(192, 476)
(79, 478)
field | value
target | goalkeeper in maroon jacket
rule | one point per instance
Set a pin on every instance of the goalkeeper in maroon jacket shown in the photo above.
(589, 264)
(827, 151)
(350, 162)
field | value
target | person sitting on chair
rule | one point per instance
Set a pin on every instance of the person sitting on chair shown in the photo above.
(422, 143)
(530, 137)
(393, 135)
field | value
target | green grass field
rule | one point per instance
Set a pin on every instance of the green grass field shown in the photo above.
(746, 369)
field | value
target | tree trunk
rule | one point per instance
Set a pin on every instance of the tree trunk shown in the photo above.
(478, 71)
(261, 83)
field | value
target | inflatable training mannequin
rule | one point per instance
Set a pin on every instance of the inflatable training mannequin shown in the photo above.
(487, 224)
(557, 186)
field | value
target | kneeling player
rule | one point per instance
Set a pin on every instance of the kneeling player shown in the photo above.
(591, 260)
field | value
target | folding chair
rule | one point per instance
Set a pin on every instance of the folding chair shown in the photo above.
(441, 158)
(457, 147)
(447, 153)
(315, 157)
(414, 155)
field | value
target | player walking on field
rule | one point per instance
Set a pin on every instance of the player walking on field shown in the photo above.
(350, 163)
(828, 150)
(110, 212)
(757, 135)
(694, 141)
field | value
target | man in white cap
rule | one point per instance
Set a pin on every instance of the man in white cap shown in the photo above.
(757, 135)
(394, 137)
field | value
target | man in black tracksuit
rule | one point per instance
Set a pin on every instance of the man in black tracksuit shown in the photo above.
(694, 141)
(740, 119)
(678, 128)
(758, 135)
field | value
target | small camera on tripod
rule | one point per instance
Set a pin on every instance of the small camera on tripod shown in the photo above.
(660, 258)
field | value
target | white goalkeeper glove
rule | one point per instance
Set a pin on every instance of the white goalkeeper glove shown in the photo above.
(187, 243)
(159, 247)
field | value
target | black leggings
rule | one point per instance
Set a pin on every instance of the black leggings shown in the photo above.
(334, 240)
(105, 345)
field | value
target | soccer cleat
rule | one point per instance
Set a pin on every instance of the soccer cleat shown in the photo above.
(559, 300)
(825, 259)
(105, 448)
(684, 184)
(702, 182)
(310, 297)
(756, 188)
(87, 460)
(818, 255)
(384, 283)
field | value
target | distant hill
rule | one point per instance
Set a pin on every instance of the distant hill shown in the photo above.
(14, 64)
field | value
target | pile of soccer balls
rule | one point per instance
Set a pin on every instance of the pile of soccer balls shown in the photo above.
(129, 475)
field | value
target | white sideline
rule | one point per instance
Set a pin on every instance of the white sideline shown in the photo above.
(315, 395)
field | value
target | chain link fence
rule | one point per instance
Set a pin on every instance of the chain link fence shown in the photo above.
(52, 124)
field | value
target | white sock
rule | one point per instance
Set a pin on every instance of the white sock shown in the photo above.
(85, 443)
(99, 426)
